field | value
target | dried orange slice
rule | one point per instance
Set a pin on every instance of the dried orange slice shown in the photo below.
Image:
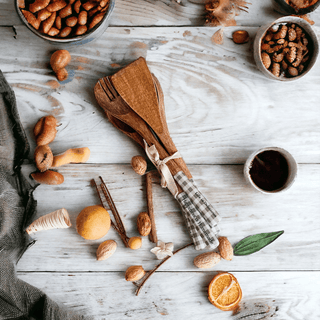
(224, 291)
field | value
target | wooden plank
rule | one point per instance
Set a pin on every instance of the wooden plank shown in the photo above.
(244, 212)
(164, 13)
(266, 295)
(220, 108)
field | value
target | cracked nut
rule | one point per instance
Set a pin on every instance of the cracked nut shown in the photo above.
(207, 260)
(43, 157)
(139, 165)
(106, 249)
(225, 248)
(144, 224)
(134, 273)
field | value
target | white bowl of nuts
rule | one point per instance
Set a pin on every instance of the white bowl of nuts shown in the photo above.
(286, 49)
(66, 21)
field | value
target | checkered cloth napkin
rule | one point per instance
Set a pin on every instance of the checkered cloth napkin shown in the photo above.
(200, 216)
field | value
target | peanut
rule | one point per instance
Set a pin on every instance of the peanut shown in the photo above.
(62, 74)
(96, 19)
(81, 30)
(82, 18)
(53, 32)
(77, 155)
(65, 12)
(45, 130)
(77, 6)
(38, 5)
(89, 5)
(44, 14)
(46, 25)
(55, 6)
(60, 59)
(71, 21)
(58, 22)
(31, 19)
(48, 177)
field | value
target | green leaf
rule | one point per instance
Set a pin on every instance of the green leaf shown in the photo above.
(255, 243)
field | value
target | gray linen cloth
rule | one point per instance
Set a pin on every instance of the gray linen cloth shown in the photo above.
(18, 299)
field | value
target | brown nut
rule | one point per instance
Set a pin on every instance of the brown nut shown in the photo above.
(89, 5)
(265, 58)
(277, 57)
(134, 273)
(293, 72)
(207, 260)
(81, 30)
(144, 224)
(65, 32)
(38, 5)
(139, 165)
(62, 74)
(60, 59)
(240, 36)
(96, 19)
(44, 14)
(58, 23)
(82, 18)
(45, 130)
(135, 243)
(77, 6)
(21, 4)
(56, 6)
(106, 249)
(43, 157)
(53, 32)
(71, 21)
(65, 12)
(46, 25)
(225, 248)
(32, 20)
(48, 177)
(103, 3)
(275, 69)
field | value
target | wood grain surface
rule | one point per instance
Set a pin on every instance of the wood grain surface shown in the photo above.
(219, 109)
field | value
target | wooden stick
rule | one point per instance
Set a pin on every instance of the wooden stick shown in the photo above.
(153, 235)
(151, 272)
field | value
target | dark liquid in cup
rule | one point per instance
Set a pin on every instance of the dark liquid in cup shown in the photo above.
(269, 170)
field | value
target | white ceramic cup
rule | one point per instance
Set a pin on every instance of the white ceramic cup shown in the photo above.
(292, 169)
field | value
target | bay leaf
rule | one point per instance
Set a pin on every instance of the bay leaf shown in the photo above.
(255, 243)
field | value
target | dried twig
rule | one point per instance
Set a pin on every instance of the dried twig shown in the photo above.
(118, 225)
(153, 235)
(150, 273)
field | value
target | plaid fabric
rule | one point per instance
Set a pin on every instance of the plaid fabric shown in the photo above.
(201, 218)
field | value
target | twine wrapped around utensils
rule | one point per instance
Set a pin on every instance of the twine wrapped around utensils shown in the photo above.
(58, 219)
(167, 180)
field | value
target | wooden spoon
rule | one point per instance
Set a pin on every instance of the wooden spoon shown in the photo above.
(110, 101)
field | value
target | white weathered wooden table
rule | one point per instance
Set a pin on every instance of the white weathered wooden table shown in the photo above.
(220, 108)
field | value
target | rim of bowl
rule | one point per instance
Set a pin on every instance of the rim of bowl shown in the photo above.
(292, 164)
(66, 40)
(287, 19)
(283, 7)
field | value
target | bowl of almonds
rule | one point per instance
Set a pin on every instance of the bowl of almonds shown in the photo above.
(286, 49)
(66, 21)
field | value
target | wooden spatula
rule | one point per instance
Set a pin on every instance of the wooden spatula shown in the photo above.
(136, 86)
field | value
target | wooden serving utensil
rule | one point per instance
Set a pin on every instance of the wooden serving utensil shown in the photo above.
(110, 101)
(136, 86)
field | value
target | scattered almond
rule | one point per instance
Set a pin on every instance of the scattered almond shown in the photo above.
(207, 260)
(144, 224)
(134, 273)
(139, 165)
(135, 243)
(225, 248)
(106, 249)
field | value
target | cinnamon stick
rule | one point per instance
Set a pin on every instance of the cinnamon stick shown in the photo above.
(153, 234)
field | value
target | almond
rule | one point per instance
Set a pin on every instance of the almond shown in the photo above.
(106, 249)
(225, 248)
(134, 273)
(135, 243)
(139, 165)
(207, 260)
(144, 224)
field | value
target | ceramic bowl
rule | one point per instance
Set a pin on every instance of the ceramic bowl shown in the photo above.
(292, 169)
(284, 8)
(289, 19)
(89, 36)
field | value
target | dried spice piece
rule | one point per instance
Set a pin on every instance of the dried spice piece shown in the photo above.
(255, 243)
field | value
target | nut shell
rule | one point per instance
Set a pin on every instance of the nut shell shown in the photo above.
(144, 224)
(135, 243)
(134, 273)
(225, 248)
(43, 157)
(106, 249)
(207, 260)
(139, 165)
